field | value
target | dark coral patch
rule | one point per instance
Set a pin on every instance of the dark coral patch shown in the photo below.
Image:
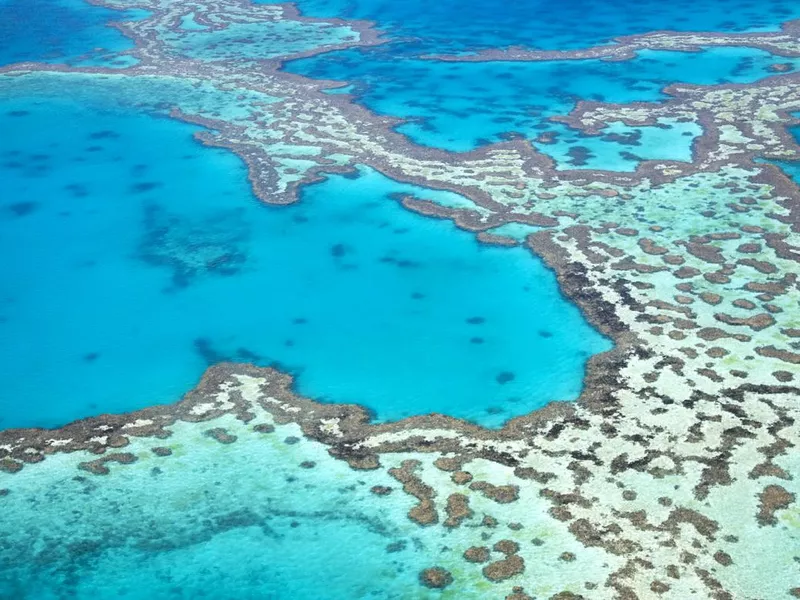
(103, 135)
(505, 377)
(21, 209)
(477, 554)
(78, 190)
(397, 546)
(144, 186)
(205, 349)
(221, 435)
(504, 569)
(408, 264)
(436, 578)
(246, 355)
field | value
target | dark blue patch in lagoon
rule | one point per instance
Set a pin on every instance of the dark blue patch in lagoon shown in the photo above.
(196, 269)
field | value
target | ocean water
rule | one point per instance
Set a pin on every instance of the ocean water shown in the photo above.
(135, 258)
(63, 31)
(456, 26)
(134, 271)
(460, 106)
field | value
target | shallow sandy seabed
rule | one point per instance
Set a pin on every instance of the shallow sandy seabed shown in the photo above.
(673, 476)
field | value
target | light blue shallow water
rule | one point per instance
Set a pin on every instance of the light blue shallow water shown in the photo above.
(215, 521)
(459, 106)
(134, 270)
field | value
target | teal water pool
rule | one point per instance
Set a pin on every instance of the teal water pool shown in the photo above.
(142, 257)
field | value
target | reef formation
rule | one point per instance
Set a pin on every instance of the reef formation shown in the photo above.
(675, 473)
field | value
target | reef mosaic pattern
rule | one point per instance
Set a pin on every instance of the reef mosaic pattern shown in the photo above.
(668, 211)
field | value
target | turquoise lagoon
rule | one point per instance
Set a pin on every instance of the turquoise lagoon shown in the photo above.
(141, 257)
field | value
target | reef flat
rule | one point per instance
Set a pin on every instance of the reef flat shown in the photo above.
(674, 475)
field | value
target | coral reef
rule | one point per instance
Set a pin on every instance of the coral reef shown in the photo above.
(674, 474)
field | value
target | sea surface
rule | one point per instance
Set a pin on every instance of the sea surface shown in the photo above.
(134, 272)
(135, 257)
